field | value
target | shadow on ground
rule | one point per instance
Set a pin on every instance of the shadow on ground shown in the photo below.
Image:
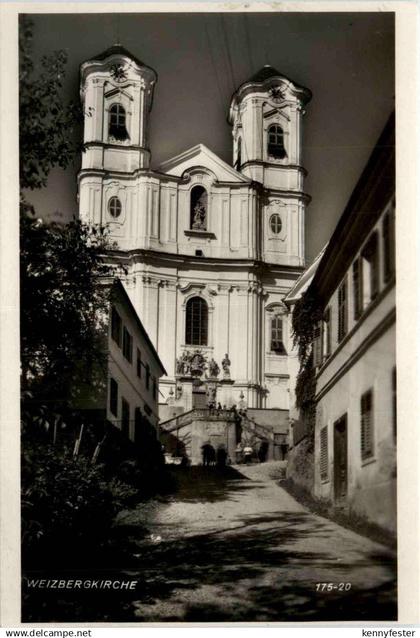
(257, 571)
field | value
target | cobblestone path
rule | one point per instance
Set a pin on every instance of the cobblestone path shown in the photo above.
(235, 546)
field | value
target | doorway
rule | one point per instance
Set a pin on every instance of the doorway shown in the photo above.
(340, 459)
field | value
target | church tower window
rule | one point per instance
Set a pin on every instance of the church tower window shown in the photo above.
(275, 223)
(196, 327)
(114, 207)
(277, 344)
(239, 155)
(117, 122)
(276, 142)
(198, 208)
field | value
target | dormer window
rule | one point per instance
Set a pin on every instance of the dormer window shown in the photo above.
(198, 208)
(275, 146)
(117, 122)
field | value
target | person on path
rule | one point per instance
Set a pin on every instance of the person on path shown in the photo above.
(212, 456)
(239, 453)
(205, 454)
(221, 456)
(248, 452)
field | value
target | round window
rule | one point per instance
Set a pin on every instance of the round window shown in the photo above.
(275, 223)
(114, 207)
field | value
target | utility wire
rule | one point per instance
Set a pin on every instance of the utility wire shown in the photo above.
(216, 75)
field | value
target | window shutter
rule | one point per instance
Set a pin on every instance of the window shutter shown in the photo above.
(326, 339)
(318, 345)
(342, 310)
(323, 463)
(358, 287)
(366, 431)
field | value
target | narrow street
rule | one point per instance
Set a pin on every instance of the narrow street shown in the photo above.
(235, 546)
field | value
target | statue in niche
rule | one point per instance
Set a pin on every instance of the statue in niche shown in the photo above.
(199, 218)
(213, 368)
(226, 366)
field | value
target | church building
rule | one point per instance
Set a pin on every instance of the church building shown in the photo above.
(210, 249)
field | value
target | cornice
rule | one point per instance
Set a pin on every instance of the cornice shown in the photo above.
(257, 266)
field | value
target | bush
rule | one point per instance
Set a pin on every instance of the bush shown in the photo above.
(67, 507)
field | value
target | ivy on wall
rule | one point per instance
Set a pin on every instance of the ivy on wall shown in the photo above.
(306, 314)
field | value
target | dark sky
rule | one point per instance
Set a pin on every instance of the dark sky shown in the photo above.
(346, 59)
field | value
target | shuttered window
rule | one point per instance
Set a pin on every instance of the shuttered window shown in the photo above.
(388, 243)
(327, 333)
(342, 310)
(147, 376)
(370, 254)
(138, 363)
(127, 345)
(116, 327)
(358, 287)
(318, 345)
(367, 434)
(323, 455)
(113, 397)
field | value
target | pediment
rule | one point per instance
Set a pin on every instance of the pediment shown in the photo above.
(117, 90)
(201, 158)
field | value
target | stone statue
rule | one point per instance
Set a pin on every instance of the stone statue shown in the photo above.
(213, 368)
(226, 366)
(197, 363)
(179, 367)
(199, 220)
(186, 362)
(211, 396)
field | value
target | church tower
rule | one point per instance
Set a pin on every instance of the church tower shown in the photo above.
(266, 113)
(116, 94)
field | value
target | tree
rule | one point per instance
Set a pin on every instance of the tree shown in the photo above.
(47, 125)
(62, 304)
(62, 266)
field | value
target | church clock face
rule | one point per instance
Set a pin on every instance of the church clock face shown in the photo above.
(118, 72)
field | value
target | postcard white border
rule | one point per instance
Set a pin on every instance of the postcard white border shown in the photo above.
(407, 109)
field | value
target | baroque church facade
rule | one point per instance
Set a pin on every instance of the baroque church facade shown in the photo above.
(210, 249)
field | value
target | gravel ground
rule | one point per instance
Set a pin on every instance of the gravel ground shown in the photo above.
(234, 546)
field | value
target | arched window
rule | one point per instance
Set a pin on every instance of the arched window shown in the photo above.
(239, 155)
(198, 208)
(196, 326)
(276, 141)
(117, 122)
(277, 344)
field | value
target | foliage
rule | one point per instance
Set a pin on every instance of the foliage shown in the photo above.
(62, 303)
(306, 315)
(65, 500)
(47, 125)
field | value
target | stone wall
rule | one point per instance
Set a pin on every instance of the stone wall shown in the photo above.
(300, 464)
